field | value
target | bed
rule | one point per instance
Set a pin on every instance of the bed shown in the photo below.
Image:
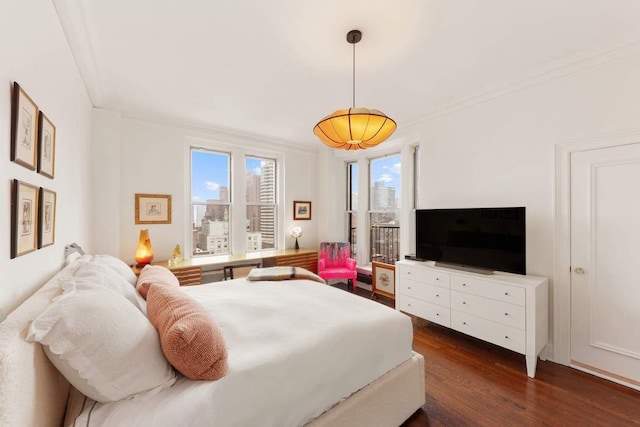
(299, 353)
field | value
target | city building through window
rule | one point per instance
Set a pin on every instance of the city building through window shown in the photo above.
(384, 209)
(210, 202)
(261, 203)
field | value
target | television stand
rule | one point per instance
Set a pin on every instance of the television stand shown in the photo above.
(509, 310)
(462, 267)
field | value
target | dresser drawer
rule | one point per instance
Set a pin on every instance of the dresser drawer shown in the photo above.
(425, 310)
(431, 277)
(493, 290)
(430, 293)
(497, 311)
(188, 276)
(496, 333)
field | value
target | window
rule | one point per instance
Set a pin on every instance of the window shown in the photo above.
(352, 206)
(210, 201)
(261, 203)
(416, 176)
(384, 208)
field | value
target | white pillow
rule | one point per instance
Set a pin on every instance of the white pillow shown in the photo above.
(103, 345)
(113, 263)
(101, 275)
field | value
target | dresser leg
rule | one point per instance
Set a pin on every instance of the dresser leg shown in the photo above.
(532, 360)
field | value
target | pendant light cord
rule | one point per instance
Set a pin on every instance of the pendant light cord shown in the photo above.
(354, 76)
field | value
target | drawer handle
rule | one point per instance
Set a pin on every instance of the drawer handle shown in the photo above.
(506, 336)
(437, 295)
(437, 278)
(409, 304)
(464, 323)
(437, 314)
(464, 303)
(464, 284)
(506, 294)
(409, 287)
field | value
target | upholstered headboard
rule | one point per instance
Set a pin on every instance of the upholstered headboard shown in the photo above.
(32, 391)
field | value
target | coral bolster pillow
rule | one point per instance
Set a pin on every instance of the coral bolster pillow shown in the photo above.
(191, 341)
(155, 274)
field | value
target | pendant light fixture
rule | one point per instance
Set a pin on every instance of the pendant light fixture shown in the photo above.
(354, 128)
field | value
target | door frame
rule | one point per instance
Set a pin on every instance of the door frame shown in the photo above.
(561, 350)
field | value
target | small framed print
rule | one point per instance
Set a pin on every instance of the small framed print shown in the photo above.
(46, 146)
(24, 127)
(153, 209)
(301, 210)
(46, 218)
(24, 221)
(384, 279)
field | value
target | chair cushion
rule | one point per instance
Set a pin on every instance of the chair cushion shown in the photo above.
(338, 273)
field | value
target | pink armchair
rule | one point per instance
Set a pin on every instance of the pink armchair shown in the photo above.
(335, 263)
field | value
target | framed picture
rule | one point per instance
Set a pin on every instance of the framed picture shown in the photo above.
(24, 218)
(153, 209)
(24, 127)
(46, 146)
(46, 218)
(384, 279)
(301, 210)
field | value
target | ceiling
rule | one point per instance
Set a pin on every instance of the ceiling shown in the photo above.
(275, 68)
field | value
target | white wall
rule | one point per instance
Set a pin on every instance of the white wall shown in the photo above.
(35, 53)
(500, 152)
(154, 158)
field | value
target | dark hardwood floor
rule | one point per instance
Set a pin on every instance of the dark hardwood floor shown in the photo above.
(469, 382)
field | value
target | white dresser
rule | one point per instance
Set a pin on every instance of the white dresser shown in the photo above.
(508, 310)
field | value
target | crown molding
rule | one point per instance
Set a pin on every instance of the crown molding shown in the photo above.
(207, 131)
(75, 21)
(550, 71)
(73, 17)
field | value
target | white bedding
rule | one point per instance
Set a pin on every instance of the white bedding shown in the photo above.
(295, 349)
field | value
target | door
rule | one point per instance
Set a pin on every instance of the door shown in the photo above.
(605, 261)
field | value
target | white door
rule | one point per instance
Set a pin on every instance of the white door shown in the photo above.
(605, 261)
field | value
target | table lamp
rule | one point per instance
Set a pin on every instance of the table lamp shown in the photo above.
(144, 252)
(296, 232)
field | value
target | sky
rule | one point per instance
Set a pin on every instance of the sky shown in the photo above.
(210, 171)
(386, 169)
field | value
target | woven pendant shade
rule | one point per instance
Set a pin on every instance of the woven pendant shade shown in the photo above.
(354, 128)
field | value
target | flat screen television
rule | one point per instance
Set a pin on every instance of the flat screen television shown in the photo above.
(486, 238)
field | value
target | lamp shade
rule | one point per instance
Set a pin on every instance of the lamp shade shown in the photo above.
(355, 128)
(144, 252)
(296, 232)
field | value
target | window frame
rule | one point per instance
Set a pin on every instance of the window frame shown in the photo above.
(350, 211)
(237, 210)
(370, 211)
(229, 204)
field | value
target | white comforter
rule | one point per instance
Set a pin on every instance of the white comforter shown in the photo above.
(295, 349)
